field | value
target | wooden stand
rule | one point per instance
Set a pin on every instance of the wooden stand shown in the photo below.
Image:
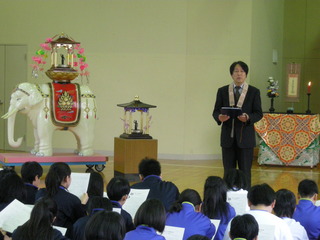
(129, 152)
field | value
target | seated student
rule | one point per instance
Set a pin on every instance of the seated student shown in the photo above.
(306, 212)
(215, 205)
(95, 204)
(118, 190)
(244, 227)
(261, 199)
(186, 213)
(39, 226)
(150, 217)
(284, 208)
(150, 174)
(31, 173)
(237, 192)
(70, 208)
(105, 225)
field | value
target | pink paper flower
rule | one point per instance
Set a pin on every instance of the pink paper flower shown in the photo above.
(81, 50)
(45, 46)
(83, 66)
(37, 59)
(49, 40)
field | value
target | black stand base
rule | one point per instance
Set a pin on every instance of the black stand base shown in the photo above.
(135, 136)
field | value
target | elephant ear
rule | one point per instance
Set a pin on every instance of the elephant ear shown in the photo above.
(35, 96)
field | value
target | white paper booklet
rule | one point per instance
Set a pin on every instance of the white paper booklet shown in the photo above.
(14, 215)
(216, 223)
(238, 200)
(134, 201)
(79, 184)
(173, 233)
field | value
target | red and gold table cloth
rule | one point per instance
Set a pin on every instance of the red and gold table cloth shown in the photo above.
(288, 135)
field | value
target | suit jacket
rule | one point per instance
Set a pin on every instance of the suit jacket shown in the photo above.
(166, 192)
(244, 133)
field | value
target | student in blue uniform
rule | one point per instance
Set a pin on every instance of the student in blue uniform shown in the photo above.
(105, 225)
(95, 204)
(244, 227)
(198, 237)
(150, 217)
(118, 190)
(39, 226)
(306, 212)
(31, 173)
(70, 208)
(215, 205)
(185, 213)
(150, 175)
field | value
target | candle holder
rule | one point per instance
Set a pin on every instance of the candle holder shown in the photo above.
(308, 110)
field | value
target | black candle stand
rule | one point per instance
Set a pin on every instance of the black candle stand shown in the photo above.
(308, 110)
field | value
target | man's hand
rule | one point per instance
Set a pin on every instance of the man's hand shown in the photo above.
(244, 117)
(223, 118)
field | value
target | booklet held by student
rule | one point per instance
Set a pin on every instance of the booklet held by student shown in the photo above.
(232, 112)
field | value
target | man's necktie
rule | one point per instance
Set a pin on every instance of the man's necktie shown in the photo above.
(237, 94)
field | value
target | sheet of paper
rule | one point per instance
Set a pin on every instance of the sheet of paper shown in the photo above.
(14, 215)
(61, 229)
(238, 200)
(173, 233)
(216, 223)
(317, 203)
(79, 183)
(266, 231)
(134, 201)
(118, 210)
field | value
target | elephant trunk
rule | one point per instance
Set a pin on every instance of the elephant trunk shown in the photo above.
(11, 116)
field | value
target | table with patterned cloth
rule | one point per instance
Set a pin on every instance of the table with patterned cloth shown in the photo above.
(288, 139)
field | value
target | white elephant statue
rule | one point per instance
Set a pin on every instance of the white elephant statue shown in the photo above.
(35, 100)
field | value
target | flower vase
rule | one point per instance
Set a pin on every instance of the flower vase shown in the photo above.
(271, 109)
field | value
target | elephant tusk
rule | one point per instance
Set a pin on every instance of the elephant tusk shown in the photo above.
(8, 114)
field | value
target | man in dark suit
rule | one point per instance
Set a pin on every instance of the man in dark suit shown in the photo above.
(237, 134)
(150, 174)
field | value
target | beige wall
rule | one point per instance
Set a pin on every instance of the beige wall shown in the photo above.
(172, 53)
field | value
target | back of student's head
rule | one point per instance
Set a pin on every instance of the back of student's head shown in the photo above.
(215, 197)
(261, 194)
(30, 170)
(151, 213)
(244, 227)
(12, 187)
(105, 225)
(117, 188)
(56, 175)
(307, 188)
(188, 195)
(285, 203)
(96, 185)
(235, 179)
(39, 225)
(149, 166)
(198, 237)
(97, 203)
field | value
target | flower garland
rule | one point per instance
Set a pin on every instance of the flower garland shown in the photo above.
(272, 89)
(39, 61)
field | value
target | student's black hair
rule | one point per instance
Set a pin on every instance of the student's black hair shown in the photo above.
(97, 203)
(151, 213)
(285, 203)
(12, 187)
(96, 185)
(188, 195)
(117, 188)
(30, 170)
(243, 65)
(215, 198)
(105, 225)
(307, 188)
(6, 172)
(56, 175)
(198, 237)
(235, 179)
(149, 166)
(39, 226)
(244, 226)
(261, 194)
